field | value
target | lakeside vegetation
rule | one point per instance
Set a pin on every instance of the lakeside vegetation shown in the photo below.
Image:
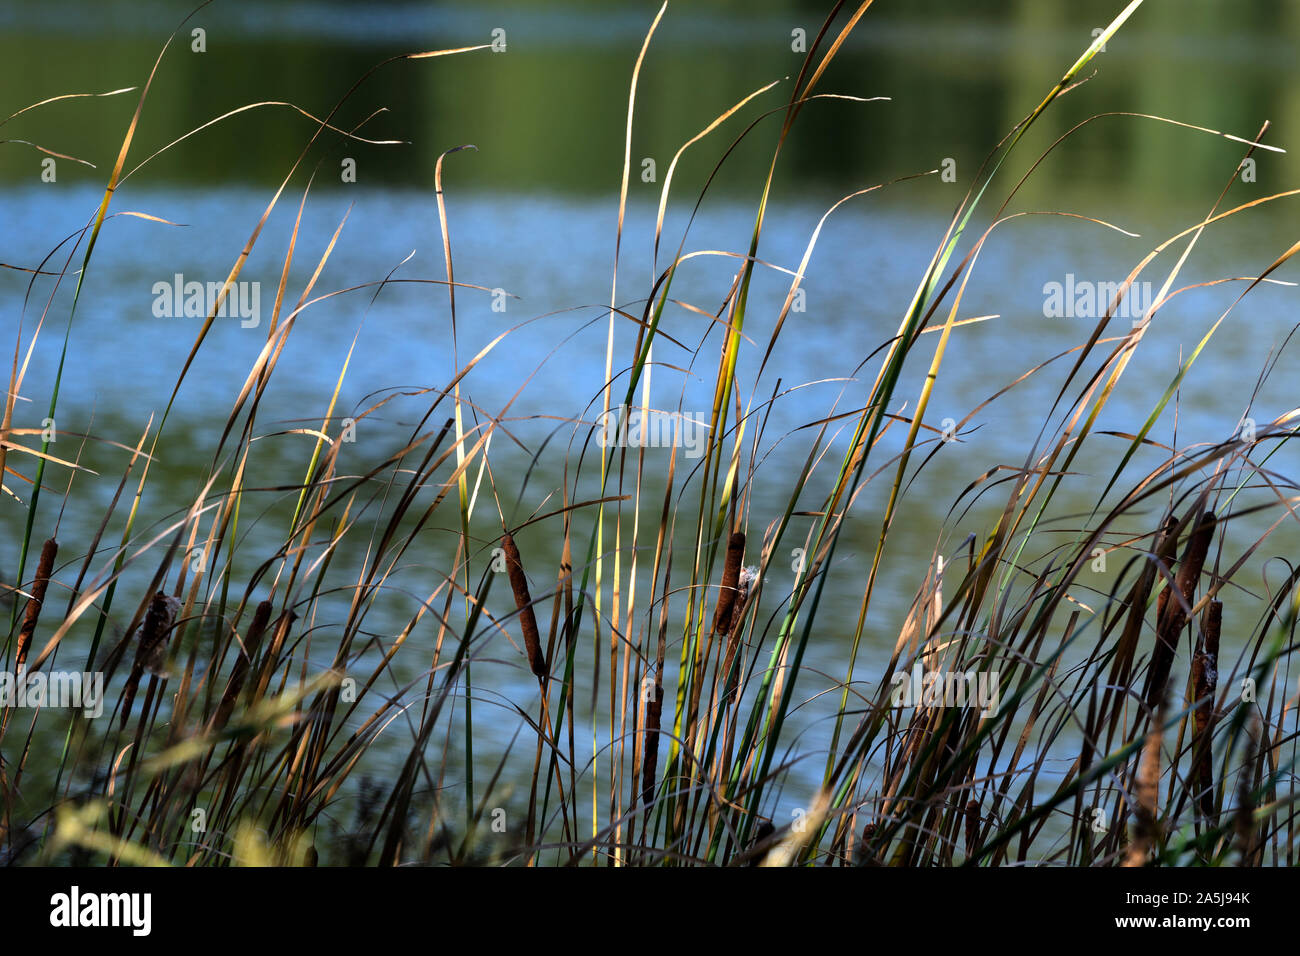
(1136, 724)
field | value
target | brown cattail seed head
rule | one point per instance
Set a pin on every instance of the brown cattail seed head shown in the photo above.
(730, 579)
(44, 568)
(524, 603)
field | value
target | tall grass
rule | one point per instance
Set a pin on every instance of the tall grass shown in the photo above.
(245, 712)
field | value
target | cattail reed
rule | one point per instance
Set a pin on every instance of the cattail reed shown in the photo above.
(1245, 828)
(43, 570)
(869, 858)
(650, 761)
(730, 579)
(1172, 612)
(261, 617)
(151, 650)
(1166, 543)
(762, 833)
(730, 672)
(524, 602)
(1146, 831)
(266, 667)
(972, 826)
(1205, 680)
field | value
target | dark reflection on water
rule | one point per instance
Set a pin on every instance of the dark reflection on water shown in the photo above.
(548, 112)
